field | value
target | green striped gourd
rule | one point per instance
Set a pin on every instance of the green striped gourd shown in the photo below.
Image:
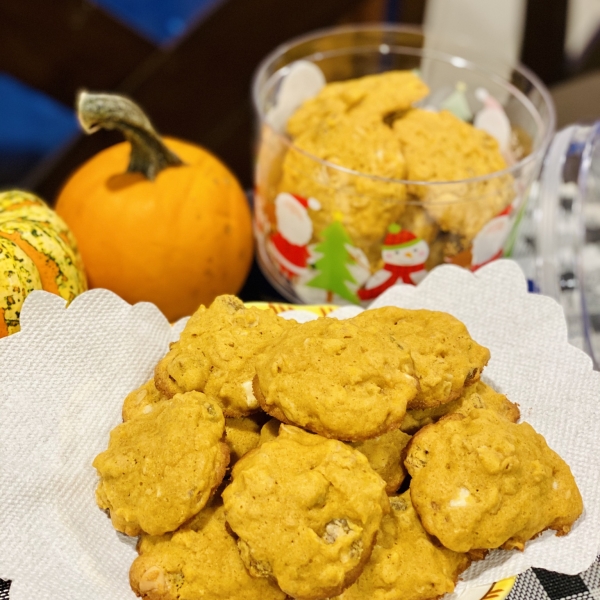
(37, 252)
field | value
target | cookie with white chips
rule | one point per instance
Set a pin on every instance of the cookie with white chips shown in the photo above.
(217, 351)
(306, 511)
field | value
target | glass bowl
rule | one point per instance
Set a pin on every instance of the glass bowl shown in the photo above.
(327, 233)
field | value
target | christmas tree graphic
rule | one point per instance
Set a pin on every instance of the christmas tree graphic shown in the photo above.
(333, 273)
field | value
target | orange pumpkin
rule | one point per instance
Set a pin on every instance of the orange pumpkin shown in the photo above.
(173, 228)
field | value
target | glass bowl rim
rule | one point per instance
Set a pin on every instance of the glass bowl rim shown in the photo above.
(532, 78)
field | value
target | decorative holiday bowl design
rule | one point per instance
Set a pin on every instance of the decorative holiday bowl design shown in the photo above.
(329, 233)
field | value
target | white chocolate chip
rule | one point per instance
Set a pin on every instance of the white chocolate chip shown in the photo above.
(153, 580)
(461, 498)
(251, 400)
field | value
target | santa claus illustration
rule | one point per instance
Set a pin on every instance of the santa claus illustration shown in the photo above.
(488, 244)
(288, 246)
(404, 256)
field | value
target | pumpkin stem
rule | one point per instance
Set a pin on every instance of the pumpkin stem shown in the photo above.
(149, 155)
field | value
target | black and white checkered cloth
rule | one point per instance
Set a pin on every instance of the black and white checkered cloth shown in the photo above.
(535, 584)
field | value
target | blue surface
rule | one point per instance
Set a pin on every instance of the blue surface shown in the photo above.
(31, 120)
(161, 21)
(31, 126)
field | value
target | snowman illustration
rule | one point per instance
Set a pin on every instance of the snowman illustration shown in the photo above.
(488, 244)
(289, 245)
(404, 256)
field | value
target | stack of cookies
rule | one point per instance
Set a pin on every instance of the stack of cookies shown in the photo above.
(387, 148)
(358, 459)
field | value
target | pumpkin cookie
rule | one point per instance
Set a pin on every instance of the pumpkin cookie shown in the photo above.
(336, 379)
(384, 454)
(439, 146)
(199, 560)
(242, 435)
(407, 563)
(306, 510)
(479, 395)
(482, 482)
(142, 401)
(371, 98)
(161, 468)
(216, 354)
(445, 357)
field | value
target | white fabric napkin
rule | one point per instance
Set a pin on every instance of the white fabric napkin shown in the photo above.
(64, 376)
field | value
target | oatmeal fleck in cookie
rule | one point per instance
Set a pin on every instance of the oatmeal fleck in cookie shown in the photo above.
(306, 510)
(406, 564)
(161, 468)
(336, 379)
(445, 357)
(480, 481)
(217, 351)
(199, 560)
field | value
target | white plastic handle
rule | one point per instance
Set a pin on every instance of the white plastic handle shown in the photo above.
(546, 213)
